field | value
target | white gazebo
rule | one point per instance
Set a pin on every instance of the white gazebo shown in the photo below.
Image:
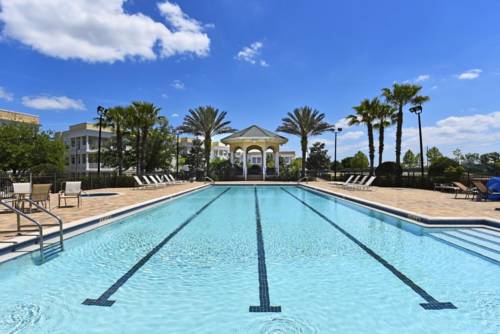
(255, 138)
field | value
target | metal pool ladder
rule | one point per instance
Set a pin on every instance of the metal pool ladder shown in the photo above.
(19, 213)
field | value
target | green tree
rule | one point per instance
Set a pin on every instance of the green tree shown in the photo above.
(366, 114)
(160, 147)
(359, 160)
(433, 154)
(115, 118)
(142, 117)
(384, 117)
(410, 160)
(399, 96)
(304, 122)
(195, 158)
(318, 159)
(346, 162)
(24, 148)
(206, 122)
(457, 153)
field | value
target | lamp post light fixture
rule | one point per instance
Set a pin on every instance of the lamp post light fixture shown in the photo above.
(335, 131)
(418, 110)
(101, 111)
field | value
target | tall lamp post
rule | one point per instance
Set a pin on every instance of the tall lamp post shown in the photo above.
(335, 131)
(418, 110)
(101, 111)
(177, 153)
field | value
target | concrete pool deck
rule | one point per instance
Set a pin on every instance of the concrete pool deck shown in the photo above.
(419, 202)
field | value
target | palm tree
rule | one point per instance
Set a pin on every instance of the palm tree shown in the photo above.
(399, 96)
(366, 114)
(304, 122)
(207, 122)
(143, 117)
(384, 117)
(115, 118)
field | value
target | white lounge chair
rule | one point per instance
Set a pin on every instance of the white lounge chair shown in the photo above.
(364, 186)
(155, 181)
(141, 185)
(176, 181)
(161, 181)
(149, 182)
(340, 183)
(359, 180)
(169, 179)
(72, 189)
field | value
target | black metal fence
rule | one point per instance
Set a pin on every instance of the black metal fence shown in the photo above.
(90, 181)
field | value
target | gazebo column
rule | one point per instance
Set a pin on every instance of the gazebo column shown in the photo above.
(277, 162)
(264, 163)
(245, 163)
(232, 153)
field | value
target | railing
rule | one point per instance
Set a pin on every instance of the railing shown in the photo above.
(19, 213)
(59, 220)
(209, 179)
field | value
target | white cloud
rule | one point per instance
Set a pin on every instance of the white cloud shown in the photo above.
(458, 131)
(101, 30)
(470, 74)
(175, 115)
(252, 54)
(422, 77)
(5, 95)
(53, 102)
(177, 84)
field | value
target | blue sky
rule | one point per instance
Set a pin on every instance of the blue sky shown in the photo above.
(258, 60)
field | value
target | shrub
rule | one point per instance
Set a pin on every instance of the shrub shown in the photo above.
(388, 168)
(453, 173)
(437, 168)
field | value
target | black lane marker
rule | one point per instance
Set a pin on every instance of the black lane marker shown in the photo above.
(432, 303)
(265, 303)
(103, 299)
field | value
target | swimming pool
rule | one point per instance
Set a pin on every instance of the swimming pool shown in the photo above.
(246, 259)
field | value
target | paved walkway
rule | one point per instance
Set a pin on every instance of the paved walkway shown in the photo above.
(92, 206)
(424, 202)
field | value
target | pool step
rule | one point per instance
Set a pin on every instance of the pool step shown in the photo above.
(471, 243)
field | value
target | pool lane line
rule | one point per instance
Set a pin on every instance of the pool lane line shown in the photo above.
(265, 303)
(104, 300)
(432, 303)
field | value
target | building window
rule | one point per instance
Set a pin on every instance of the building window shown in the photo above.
(72, 159)
(72, 142)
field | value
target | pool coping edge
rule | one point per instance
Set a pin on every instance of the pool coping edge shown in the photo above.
(413, 217)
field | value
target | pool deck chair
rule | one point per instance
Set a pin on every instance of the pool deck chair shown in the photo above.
(40, 194)
(340, 183)
(365, 186)
(462, 189)
(358, 181)
(172, 179)
(483, 191)
(154, 181)
(175, 180)
(148, 182)
(72, 189)
(355, 180)
(141, 185)
(160, 180)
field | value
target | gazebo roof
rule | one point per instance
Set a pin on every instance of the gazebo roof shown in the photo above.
(254, 132)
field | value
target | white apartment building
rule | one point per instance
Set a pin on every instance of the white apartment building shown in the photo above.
(81, 141)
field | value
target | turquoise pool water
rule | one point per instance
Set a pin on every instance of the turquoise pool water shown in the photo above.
(208, 262)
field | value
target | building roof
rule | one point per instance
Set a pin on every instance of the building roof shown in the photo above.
(89, 126)
(254, 132)
(18, 117)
